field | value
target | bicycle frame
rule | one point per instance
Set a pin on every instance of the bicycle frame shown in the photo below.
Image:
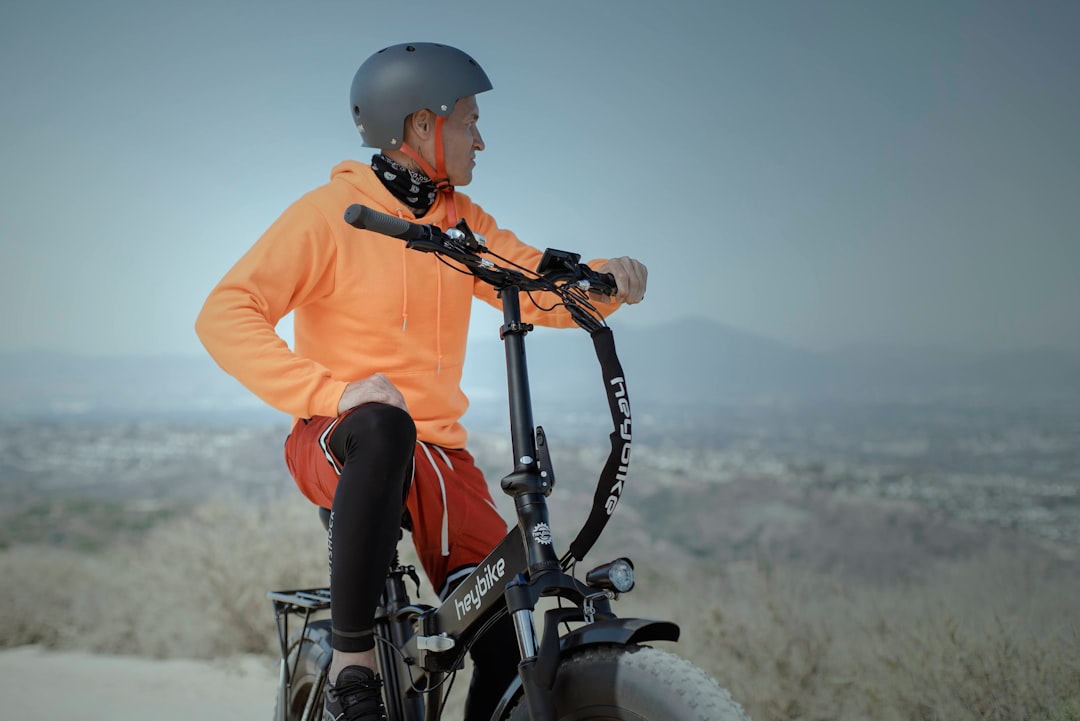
(513, 577)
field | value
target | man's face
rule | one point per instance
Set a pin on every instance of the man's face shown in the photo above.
(461, 141)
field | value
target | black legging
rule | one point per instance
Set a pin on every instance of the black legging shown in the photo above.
(375, 443)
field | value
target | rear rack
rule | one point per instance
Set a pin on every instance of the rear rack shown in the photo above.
(309, 600)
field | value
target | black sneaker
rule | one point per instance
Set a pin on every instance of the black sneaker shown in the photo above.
(357, 696)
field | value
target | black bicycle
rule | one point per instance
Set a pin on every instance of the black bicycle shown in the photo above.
(588, 664)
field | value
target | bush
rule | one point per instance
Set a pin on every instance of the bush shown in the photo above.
(48, 593)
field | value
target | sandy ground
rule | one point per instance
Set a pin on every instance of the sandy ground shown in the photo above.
(37, 684)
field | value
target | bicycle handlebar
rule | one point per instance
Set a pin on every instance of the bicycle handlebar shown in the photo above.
(461, 245)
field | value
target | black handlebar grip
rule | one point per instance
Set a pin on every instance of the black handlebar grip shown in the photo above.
(364, 218)
(609, 280)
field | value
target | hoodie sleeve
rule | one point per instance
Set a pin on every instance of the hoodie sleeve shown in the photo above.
(506, 244)
(293, 263)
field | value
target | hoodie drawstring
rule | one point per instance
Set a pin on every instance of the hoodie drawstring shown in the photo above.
(438, 320)
(438, 300)
(404, 290)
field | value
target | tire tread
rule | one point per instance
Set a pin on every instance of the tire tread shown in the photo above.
(689, 692)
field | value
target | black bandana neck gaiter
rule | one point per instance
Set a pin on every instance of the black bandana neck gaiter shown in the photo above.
(412, 188)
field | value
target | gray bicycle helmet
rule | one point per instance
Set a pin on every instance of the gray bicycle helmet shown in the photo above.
(401, 79)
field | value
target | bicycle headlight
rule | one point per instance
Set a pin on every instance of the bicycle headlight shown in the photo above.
(617, 576)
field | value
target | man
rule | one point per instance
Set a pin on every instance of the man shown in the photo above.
(374, 378)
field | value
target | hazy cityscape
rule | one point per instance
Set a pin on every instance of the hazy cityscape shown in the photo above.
(1016, 469)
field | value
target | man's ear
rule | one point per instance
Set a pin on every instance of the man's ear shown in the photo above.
(421, 124)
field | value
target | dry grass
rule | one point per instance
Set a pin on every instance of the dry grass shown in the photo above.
(993, 636)
(193, 587)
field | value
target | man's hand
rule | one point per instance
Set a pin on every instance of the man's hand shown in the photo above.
(373, 389)
(631, 278)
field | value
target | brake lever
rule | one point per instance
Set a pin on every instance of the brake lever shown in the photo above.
(426, 245)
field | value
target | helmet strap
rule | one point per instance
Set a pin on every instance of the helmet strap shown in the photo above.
(437, 174)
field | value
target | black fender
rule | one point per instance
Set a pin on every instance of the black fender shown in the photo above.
(608, 631)
(619, 631)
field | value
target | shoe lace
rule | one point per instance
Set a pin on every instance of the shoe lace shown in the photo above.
(361, 699)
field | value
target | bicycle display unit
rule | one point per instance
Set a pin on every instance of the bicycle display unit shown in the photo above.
(588, 663)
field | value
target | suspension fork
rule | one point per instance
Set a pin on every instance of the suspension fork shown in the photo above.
(520, 603)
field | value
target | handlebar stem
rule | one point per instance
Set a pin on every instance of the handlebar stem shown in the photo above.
(525, 484)
(522, 428)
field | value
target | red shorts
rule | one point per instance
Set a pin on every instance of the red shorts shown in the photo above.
(455, 522)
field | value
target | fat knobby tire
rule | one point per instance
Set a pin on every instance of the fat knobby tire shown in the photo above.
(635, 683)
(308, 659)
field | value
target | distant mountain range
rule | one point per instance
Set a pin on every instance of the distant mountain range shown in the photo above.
(697, 362)
(685, 363)
(45, 383)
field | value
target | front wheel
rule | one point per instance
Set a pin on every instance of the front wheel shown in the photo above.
(634, 683)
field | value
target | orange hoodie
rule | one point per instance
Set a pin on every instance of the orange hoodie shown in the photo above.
(363, 304)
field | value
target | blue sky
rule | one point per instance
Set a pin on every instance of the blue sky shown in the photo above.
(822, 173)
